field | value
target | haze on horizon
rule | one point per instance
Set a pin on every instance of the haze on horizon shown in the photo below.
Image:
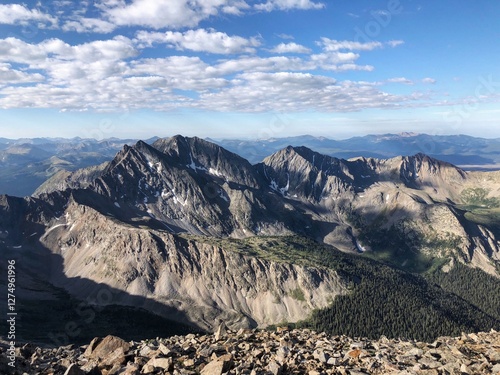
(248, 69)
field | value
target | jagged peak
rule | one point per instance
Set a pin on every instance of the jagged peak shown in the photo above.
(311, 157)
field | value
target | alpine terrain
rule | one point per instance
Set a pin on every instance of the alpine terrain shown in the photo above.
(185, 235)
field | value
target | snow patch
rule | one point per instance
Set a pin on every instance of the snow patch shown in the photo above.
(54, 227)
(274, 185)
(223, 195)
(165, 194)
(285, 189)
(214, 172)
(360, 248)
(193, 166)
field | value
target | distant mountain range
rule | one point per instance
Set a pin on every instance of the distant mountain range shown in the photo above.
(462, 150)
(186, 229)
(26, 163)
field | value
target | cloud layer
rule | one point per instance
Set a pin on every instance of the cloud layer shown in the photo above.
(198, 68)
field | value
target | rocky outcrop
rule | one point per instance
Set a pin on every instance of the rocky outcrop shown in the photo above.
(263, 352)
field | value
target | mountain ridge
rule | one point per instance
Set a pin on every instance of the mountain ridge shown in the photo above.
(187, 227)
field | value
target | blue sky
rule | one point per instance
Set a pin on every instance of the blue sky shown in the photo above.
(249, 68)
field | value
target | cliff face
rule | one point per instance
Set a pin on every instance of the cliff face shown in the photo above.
(207, 283)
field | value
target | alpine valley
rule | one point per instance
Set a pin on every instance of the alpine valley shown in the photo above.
(179, 234)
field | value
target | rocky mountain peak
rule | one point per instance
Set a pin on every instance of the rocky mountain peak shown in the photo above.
(206, 157)
(302, 172)
(422, 170)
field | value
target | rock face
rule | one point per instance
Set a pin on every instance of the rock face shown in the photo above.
(206, 281)
(265, 352)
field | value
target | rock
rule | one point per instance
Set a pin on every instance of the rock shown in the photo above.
(91, 347)
(189, 363)
(117, 357)
(274, 368)
(162, 363)
(164, 350)
(417, 352)
(74, 370)
(100, 349)
(493, 355)
(267, 353)
(91, 368)
(216, 367)
(220, 332)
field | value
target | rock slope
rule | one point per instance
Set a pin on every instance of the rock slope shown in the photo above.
(255, 352)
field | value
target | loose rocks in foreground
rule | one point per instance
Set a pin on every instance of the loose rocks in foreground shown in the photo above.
(254, 352)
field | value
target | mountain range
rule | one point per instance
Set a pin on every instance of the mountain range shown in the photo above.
(191, 232)
(27, 163)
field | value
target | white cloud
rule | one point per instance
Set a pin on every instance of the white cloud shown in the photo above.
(171, 14)
(290, 48)
(13, 76)
(395, 43)
(402, 80)
(18, 51)
(332, 45)
(271, 5)
(429, 80)
(13, 14)
(84, 24)
(285, 36)
(111, 75)
(200, 40)
(296, 92)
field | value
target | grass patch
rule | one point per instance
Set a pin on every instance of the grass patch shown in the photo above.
(298, 294)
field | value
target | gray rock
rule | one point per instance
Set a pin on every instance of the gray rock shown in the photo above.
(74, 370)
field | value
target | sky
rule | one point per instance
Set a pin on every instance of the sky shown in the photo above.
(251, 69)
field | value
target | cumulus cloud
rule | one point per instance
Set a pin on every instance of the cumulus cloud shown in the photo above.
(84, 24)
(172, 14)
(18, 51)
(261, 92)
(110, 75)
(290, 48)
(200, 40)
(14, 14)
(8, 75)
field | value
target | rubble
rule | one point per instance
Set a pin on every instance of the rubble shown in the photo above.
(263, 352)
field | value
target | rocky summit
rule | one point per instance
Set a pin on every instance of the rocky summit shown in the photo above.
(246, 351)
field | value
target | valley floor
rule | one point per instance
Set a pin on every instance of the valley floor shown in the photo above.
(282, 351)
